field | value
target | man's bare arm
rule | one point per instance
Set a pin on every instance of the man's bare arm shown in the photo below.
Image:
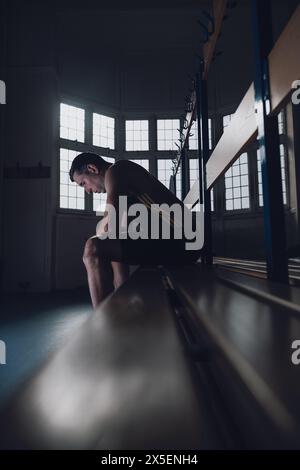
(115, 185)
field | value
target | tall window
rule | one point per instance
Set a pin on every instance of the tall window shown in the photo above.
(71, 123)
(282, 150)
(209, 134)
(283, 172)
(137, 135)
(178, 184)
(71, 195)
(103, 131)
(193, 140)
(281, 123)
(164, 172)
(259, 176)
(99, 199)
(167, 134)
(143, 162)
(237, 185)
(283, 176)
(194, 175)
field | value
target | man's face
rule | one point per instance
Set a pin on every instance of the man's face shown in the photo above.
(92, 181)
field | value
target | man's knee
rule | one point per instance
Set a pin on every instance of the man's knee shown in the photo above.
(91, 251)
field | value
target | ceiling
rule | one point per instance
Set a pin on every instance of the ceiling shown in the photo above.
(131, 30)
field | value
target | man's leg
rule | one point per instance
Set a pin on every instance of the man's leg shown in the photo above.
(104, 260)
(121, 273)
(99, 271)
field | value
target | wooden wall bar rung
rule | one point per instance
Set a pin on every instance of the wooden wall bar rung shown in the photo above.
(284, 68)
(284, 62)
(241, 130)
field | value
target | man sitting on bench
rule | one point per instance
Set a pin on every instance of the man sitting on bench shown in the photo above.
(107, 255)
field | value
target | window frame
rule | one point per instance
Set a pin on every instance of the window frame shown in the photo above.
(283, 140)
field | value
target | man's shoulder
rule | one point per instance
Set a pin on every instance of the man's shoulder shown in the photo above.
(125, 169)
(125, 176)
(123, 165)
(121, 175)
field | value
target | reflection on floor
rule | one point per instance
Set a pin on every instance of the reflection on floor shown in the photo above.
(33, 326)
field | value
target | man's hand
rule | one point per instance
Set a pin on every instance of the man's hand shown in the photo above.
(102, 226)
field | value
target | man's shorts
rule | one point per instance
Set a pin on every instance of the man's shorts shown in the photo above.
(157, 252)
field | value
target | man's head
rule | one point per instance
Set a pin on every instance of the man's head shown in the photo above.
(88, 170)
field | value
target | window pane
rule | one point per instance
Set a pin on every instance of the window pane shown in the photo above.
(167, 134)
(193, 139)
(71, 123)
(103, 131)
(178, 182)
(229, 205)
(71, 195)
(237, 185)
(137, 135)
(165, 169)
(280, 118)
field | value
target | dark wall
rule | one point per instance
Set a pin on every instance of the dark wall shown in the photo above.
(241, 235)
(2, 124)
(127, 60)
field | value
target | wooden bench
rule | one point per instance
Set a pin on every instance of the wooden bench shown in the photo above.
(123, 381)
(257, 268)
(178, 358)
(249, 325)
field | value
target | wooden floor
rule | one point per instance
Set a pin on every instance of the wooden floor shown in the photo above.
(33, 325)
